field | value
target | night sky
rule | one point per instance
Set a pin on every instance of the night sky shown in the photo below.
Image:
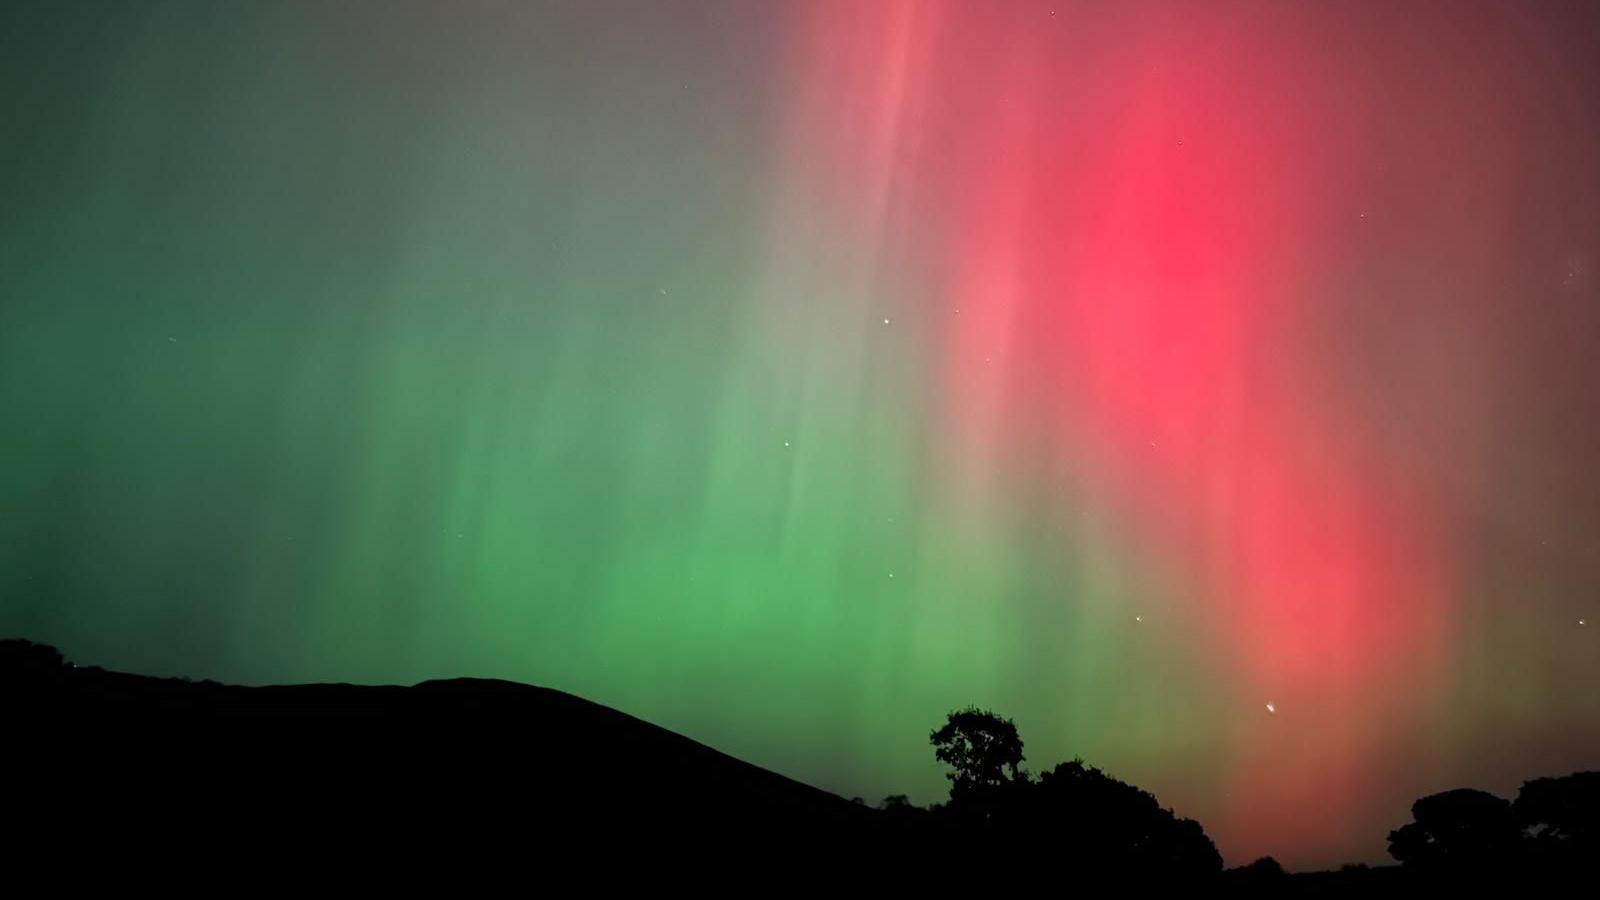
(1213, 387)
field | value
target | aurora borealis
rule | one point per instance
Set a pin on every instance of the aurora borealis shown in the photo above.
(788, 374)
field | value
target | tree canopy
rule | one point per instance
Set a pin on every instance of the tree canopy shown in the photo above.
(983, 751)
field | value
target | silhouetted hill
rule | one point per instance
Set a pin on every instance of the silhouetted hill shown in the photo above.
(450, 765)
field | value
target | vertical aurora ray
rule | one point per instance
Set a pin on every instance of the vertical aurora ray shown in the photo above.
(789, 374)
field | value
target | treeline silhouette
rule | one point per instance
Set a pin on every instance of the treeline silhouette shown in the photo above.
(471, 766)
(1072, 815)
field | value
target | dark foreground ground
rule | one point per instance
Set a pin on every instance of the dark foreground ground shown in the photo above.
(132, 779)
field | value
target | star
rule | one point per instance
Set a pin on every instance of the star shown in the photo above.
(1272, 708)
(1138, 618)
(885, 321)
(786, 443)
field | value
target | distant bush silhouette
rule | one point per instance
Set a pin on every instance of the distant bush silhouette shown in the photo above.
(1264, 872)
(895, 801)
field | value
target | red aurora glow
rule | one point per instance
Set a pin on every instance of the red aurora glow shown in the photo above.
(1143, 213)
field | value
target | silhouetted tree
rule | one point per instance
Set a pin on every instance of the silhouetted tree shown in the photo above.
(1560, 817)
(1459, 829)
(983, 751)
